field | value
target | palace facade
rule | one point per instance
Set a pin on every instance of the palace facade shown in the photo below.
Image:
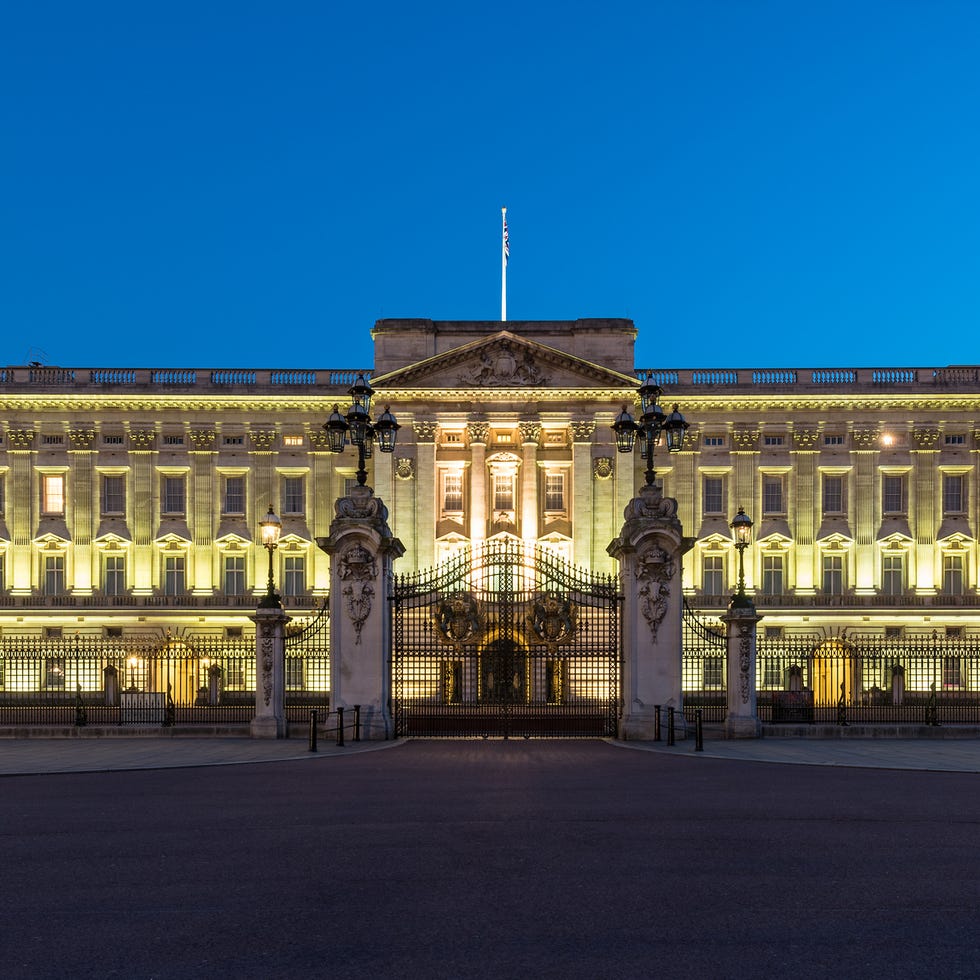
(130, 498)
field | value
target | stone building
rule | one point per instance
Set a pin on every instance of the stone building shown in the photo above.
(130, 498)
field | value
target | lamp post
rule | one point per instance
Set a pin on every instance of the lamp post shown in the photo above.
(356, 428)
(271, 528)
(741, 526)
(654, 424)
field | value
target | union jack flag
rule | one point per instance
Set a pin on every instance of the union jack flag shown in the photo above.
(506, 242)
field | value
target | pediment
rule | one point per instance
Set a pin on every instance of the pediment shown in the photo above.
(503, 360)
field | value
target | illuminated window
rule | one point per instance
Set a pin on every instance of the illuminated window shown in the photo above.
(294, 576)
(53, 494)
(952, 574)
(503, 491)
(772, 495)
(833, 494)
(234, 575)
(713, 575)
(892, 574)
(555, 437)
(952, 672)
(554, 491)
(234, 498)
(452, 491)
(113, 495)
(174, 498)
(453, 437)
(114, 575)
(713, 494)
(893, 494)
(294, 673)
(54, 575)
(953, 494)
(293, 496)
(174, 570)
(833, 574)
(713, 675)
(772, 574)
(292, 440)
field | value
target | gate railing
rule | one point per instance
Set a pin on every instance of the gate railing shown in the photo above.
(703, 667)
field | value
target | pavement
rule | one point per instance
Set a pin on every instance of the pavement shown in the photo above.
(26, 756)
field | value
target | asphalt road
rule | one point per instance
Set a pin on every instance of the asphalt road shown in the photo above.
(492, 859)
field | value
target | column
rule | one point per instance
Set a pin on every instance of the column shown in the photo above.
(427, 494)
(925, 474)
(582, 432)
(742, 719)
(804, 509)
(22, 508)
(145, 510)
(270, 673)
(478, 433)
(85, 501)
(530, 437)
(202, 510)
(865, 462)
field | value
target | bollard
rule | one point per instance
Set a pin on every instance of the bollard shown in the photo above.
(698, 732)
(313, 717)
(670, 726)
(656, 722)
(357, 723)
(340, 728)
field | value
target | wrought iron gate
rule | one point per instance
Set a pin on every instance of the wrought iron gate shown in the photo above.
(506, 639)
(307, 667)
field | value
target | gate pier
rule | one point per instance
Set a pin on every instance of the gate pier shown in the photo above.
(361, 548)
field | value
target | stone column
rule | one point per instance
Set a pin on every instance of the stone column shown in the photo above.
(582, 433)
(362, 549)
(427, 494)
(86, 497)
(270, 673)
(21, 510)
(478, 432)
(530, 436)
(649, 550)
(201, 509)
(742, 719)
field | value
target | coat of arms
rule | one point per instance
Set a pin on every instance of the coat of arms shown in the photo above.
(457, 619)
(551, 618)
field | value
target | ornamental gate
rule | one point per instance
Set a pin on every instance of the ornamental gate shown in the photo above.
(508, 640)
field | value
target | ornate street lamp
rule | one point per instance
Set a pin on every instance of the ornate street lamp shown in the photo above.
(355, 428)
(741, 526)
(654, 426)
(271, 528)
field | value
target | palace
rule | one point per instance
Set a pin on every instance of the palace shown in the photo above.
(130, 498)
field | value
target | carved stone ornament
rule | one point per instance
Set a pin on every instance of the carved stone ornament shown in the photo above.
(530, 432)
(744, 645)
(360, 504)
(602, 467)
(404, 468)
(582, 430)
(202, 439)
(358, 563)
(458, 619)
(20, 438)
(266, 646)
(262, 439)
(81, 438)
(865, 438)
(805, 438)
(745, 440)
(501, 365)
(478, 431)
(425, 431)
(319, 440)
(654, 570)
(358, 596)
(141, 438)
(925, 438)
(650, 502)
(551, 618)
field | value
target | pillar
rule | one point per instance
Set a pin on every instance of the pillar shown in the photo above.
(742, 718)
(649, 550)
(362, 549)
(270, 673)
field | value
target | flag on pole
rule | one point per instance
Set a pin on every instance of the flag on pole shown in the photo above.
(506, 242)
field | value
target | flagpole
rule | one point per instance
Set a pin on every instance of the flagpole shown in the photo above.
(503, 265)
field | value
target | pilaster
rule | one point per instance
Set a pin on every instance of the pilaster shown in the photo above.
(478, 432)
(583, 431)
(530, 436)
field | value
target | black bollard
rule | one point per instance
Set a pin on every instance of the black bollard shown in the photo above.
(670, 725)
(357, 723)
(340, 728)
(698, 732)
(656, 722)
(313, 717)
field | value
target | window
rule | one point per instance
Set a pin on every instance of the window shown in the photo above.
(52, 440)
(233, 441)
(714, 441)
(503, 437)
(452, 438)
(294, 576)
(54, 672)
(833, 574)
(954, 439)
(234, 499)
(893, 494)
(892, 574)
(349, 483)
(294, 673)
(113, 440)
(503, 491)
(952, 674)
(234, 575)
(833, 440)
(173, 440)
(555, 437)
(113, 495)
(772, 575)
(114, 575)
(452, 491)
(833, 494)
(173, 575)
(53, 494)
(953, 494)
(293, 497)
(54, 574)
(173, 495)
(554, 491)
(773, 440)
(713, 495)
(292, 440)
(772, 495)
(713, 575)
(714, 673)
(952, 575)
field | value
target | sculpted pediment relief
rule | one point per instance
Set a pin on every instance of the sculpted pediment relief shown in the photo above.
(504, 360)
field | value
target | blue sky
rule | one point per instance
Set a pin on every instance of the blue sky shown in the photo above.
(238, 184)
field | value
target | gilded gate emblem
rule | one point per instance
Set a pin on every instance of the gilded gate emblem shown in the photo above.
(551, 618)
(458, 619)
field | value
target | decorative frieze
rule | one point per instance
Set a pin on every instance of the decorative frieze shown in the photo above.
(319, 440)
(503, 364)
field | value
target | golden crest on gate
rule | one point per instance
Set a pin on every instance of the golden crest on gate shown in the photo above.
(551, 618)
(458, 619)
